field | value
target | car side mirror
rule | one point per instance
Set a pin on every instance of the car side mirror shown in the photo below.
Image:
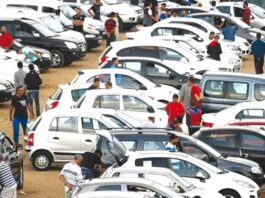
(142, 87)
(36, 35)
(200, 176)
(19, 147)
(172, 76)
(184, 60)
(150, 109)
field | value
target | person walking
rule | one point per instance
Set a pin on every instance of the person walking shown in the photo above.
(71, 174)
(258, 51)
(19, 112)
(214, 49)
(19, 75)
(95, 9)
(246, 13)
(33, 82)
(95, 85)
(6, 40)
(174, 144)
(78, 20)
(229, 32)
(174, 108)
(110, 27)
(7, 181)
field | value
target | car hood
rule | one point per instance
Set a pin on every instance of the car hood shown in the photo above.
(37, 49)
(94, 23)
(242, 161)
(65, 38)
(122, 8)
(76, 36)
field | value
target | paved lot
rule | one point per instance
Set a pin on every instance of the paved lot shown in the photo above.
(46, 184)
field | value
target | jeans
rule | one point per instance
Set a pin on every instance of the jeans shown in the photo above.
(87, 173)
(110, 39)
(258, 62)
(16, 121)
(9, 192)
(34, 95)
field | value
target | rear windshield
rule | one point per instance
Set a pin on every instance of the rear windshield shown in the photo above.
(57, 95)
(76, 94)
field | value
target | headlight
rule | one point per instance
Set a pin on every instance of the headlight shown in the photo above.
(2, 87)
(90, 36)
(244, 184)
(70, 45)
(256, 170)
(225, 70)
(46, 55)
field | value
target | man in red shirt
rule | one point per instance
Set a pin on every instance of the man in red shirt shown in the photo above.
(195, 94)
(246, 13)
(6, 40)
(174, 108)
(110, 26)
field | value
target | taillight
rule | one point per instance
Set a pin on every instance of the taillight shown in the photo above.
(207, 124)
(103, 59)
(53, 105)
(30, 141)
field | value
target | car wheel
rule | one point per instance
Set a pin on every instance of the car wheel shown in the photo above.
(42, 160)
(21, 177)
(57, 58)
(120, 24)
(230, 194)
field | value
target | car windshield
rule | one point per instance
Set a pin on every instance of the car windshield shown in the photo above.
(260, 12)
(67, 11)
(52, 24)
(112, 2)
(43, 30)
(208, 148)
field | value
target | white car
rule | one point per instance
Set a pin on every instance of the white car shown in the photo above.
(111, 194)
(131, 102)
(236, 9)
(244, 110)
(165, 51)
(56, 136)
(126, 79)
(197, 172)
(139, 185)
(164, 177)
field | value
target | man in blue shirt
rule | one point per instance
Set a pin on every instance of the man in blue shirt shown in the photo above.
(229, 32)
(258, 51)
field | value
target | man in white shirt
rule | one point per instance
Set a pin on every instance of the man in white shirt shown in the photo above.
(71, 174)
(150, 123)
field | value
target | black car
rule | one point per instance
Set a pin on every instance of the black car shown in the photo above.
(245, 142)
(6, 90)
(14, 158)
(147, 139)
(152, 69)
(64, 50)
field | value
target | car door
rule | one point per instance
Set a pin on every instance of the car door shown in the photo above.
(133, 65)
(252, 146)
(64, 137)
(108, 102)
(128, 82)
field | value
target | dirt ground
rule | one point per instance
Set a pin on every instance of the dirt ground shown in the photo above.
(46, 184)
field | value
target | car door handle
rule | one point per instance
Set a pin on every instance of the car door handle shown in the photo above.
(88, 140)
(55, 138)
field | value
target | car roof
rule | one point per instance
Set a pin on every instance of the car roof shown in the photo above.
(50, 3)
(167, 154)
(231, 75)
(230, 127)
(142, 169)
(74, 86)
(112, 194)
(140, 42)
(193, 8)
(107, 70)
(97, 92)
(233, 4)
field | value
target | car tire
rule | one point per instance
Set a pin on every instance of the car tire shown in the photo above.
(21, 177)
(120, 24)
(227, 193)
(42, 160)
(57, 58)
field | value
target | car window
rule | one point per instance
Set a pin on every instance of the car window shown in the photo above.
(169, 54)
(251, 114)
(150, 145)
(132, 103)
(144, 190)
(101, 125)
(252, 142)
(237, 91)
(22, 30)
(6, 147)
(70, 1)
(142, 51)
(117, 121)
(133, 66)
(194, 151)
(259, 92)
(186, 169)
(48, 9)
(127, 82)
(130, 145)
(224, 9)
(152, 162)
(220, 139)
(238, 12)
(64, 124)
(77, 93)
(23, 6)
(102, 77)
(87, 124)
(208, 19)
(107, 101)
(214, 89)
(57, 95)
(165, 32)
(109, 188)
(157, 70)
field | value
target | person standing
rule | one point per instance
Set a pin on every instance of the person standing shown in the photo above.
(78, 20)
(184, 13)
(174, 108)
(150, 123)
(95, 85)
(91, 164)
(163, 12)
(114, 63)
(175, 125)
(214, 49)
(95, 10)
(71, 174)
(229, 32)
(33, 82)
(19, 75)
(195, 93)
(7, 181)
(258, 51)
(246, 14)
(149, 19)
(193, 118)
(174, 144)
(19, 112)
(108, 85)
(185, 93)
(6, 40)
(110, 26)
(211, 36)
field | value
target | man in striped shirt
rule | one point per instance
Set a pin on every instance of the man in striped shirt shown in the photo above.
(7, 181)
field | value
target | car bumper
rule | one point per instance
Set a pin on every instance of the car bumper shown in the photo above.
(73, 54)
(45, 64)
(93, 42)
(6, 95)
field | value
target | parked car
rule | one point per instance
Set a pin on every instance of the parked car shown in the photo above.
(7, 90)
(242, 29)
(236, 9)
(197, 172)
(14, 158)
(64, 50)
(57, 136)
(156, 139)
(126, 79)
(152, 69)
(131, 102)
(165, 51)
(245, 142)
(112, 194)
(221, 90)
(142, 186)
(164, 177)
